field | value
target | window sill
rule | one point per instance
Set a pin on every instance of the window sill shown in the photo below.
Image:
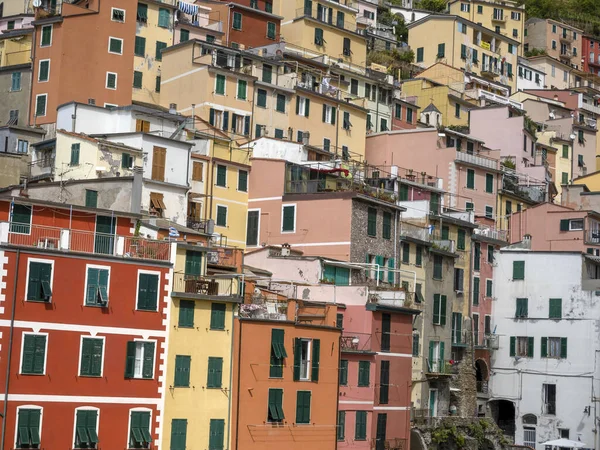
(35, 300)
(146, 310)
(180, 387)
(214, 388)
(217, 329)
(33, 374)
(90, 376)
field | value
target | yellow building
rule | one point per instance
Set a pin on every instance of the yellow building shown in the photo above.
(592, 181)
(15, 47)
(505, 17)
(329, 29)
(558, 153)
(199, 347)
(154, 32)
(463, 44)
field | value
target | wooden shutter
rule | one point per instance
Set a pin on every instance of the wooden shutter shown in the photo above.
(563, 347)
(86, 357)
(555, 308)
(341, 425)
(178, 434)
(217, 316)
(182, 371)
(544, 349)
(364, 369)
(37, 347)
(193, 263)
(518, 270)
(28, 353)
(470, 178)
(242, 180)
(297, 358)
(436, 309)
(217, 429)
(215, 372)
(34, 283)
(303, 407)
(288, 218)
(252, 231)
(74, 154)
(476, 291)
(316, 356)
(443, 310)
(530, 347)
(384, 381)
(186, 313)
(343, 375)
(360, 432)
(461, 239)
(159, 155)
(130, 360)
(391, 275)
(513, 346)
(564, 225)
(148, 363)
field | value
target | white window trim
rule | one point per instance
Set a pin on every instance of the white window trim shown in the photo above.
(45, 105)
(118, 39)
(217, 169)
(153, 362)
(237, 188)
(302, 106)
(30, 333)
(238, 88)
(112, 10)
(217, 214)
(116, 80)
(95, 266)
(241, 22)
(40, 71)
(158, 290)
(42, 35)
(258, 228)
(308, 360)
(83, 408)
(575, 229)
(45, 261)
(103, 339)
(148, 410)
(328, 114)
(110, 105)
(224, 85)
(22, 153)
(17, 420)
(284, 205)
(485, 211)
(484, 321)
(25, 234)
(485, 286)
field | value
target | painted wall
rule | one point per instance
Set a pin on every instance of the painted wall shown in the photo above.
(16, 50)
(589, 54)
(15, 100)
(541, 34)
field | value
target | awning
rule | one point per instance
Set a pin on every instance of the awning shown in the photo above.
(565, 443)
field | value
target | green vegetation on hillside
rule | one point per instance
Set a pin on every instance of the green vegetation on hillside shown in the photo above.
(584, 14)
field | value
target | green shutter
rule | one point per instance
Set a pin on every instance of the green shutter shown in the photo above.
(288, 218)
(34, 354)
(489, 183)
(220, 89)
(360, 432)
(470, 179)
(442, 347)
(184, 35)
(476, 291)
(243, 181)
(148, 363)
(237, 21)
(430, 360)
(74, 155)
(391, 275)
(160, 46)
(178, 434)
(276, 413)
(221, 175)
(137, 79)
(522, 308)
(418, 293)
(303, 406)
(140, 430)
(443, 310)
(271, 30)
(441, 50)
(419, 256)
(147, 292)
(91, 198)
(477, 257)
(513, 346)
(261, 98)
(405, 253)
(518, 270)
(387, 225)
(463, 51)
(564, 225)
(530, 343)
(46, 35)
(364, 373)
(186, 313)
(21, 219)
(372, 222)
(193, 263)
(217, 316)
(420, 54)
(461, 240)
(297, 358)
(445, 233)
(318, 36)
(563, 348)
(341, 425)
(555, 308)
(139, 48)
(216, 434)
(436, 309)
(222, 216)
(130, 360)
(28, 428)
(242, 88)
(164, 18)
(343, 372)
(489, 288)
(277, 353)
(44, 70)
(280, 105)
(182, 371)
(544, 350)
(215, 372)
(91, 357)
(316, 356)
(40, 105)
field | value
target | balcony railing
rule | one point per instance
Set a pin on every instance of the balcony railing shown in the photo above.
(498, 18)
(501, 235)
(477, 160)
(445, 245)
(568, 37)
(415, 232)
(322, 15)
(592, 237)
(356, 342)
(482, 387)
(565, 54)
(439, 366)
(80, 241)
(225, 256)
(210, 285)
(419, 415)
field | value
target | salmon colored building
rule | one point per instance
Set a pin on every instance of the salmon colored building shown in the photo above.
(83, 318)
(285, 385)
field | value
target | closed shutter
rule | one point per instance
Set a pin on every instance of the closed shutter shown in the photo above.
(277, 353)
(443, 310)
(470, 178)
(217, 434)
(34, 354)
(364, 370)
(303, 407)
(564, 225)
(91, 198)
(247, 125)
(237, 21)
(360, 432)
(544, 348)
(178, 434)
(74, 155)
(513, 346)
(563, 347)
(419, 256)
(215, 372)
(220, 88)
(217, 316)
(91, 357)
(148, 362)
(164, 18)
(182, 371)
(130, 360)
(441, 50)
(242, 87)
(372, 222)
(316, 356)
(288, 218)
(343, 372)
(40, 105)
(193, 263)
(391, 275)
(475, 291)
(184, 35)
(341, 425)
(147, 292)
(28, 428)
(555, 308)
(243, 181)
(461, 239)
(297, 358)
(405, 253)
(44, 70)
(21, 219)
(159, 155)
(139, 48)
(137, 79)
(186, 314)
(436, 309)
(518, 270)
(252, 231)
(318, 36)
(384, 381)
(160, 46)
(489, 183)
(530, 343)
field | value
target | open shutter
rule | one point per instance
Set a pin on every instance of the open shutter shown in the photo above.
(86, 357)
(316, 356)
(306, 107)
(443, 310)
(130, 360)
(564, 225)
(148, 365)
(297, 104)
(297, 358)
(513, 345)
(81, 428)
(34, 284)
(530, 347)
(96, 356)
(333, 114)
(34, 426)
(442, 345)
(28, 353)
(563, 347)
(544, 347)
(431, 344)
(39, 355)
(436, 308)
(324, 113)
(391, 275)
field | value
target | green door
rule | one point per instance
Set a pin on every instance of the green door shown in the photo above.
(104, 239)
(193, 263)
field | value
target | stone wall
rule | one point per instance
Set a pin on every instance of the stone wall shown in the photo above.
(454, 433)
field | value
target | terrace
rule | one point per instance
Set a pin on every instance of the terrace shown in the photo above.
(218, 287)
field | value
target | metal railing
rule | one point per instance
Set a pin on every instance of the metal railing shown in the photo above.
(225, 256)
(498, 18)
(415, 232)
(501, 235)
(80, 241)
(439, 366)
(592, 236)
(478, 160)
(419, 415)
(356, 342)
(213, 285)
(482, 387)
(348, 23)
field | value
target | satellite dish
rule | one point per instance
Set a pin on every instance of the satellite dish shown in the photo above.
(37, 3)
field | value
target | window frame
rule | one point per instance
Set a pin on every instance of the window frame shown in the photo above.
(216, 182)
(141, 410)
(95, 266)
(137, 289)
(40, 71)
(310, 404)
(12, 81)
(45, 95)
(110, 38)
(241, 82)
(32, 333)
(42, 35)
(238, 183)
(289, 205)
(233, 20)
(144, 341)
(108, 74)
(101, 338)
(42, 261)
(41, 409)
(112, 15)
(217, 206)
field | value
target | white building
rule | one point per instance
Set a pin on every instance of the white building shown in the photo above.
(545, 376)
(409, 13)
(529, 76)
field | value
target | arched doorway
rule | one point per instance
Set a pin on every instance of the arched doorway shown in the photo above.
(482, 374)
(503, 413)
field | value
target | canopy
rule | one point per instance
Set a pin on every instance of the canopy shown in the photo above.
(567, 443)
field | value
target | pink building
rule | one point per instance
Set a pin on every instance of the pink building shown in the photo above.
(590, 54)
(549, 227)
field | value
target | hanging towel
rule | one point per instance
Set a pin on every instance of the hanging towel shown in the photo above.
(188, 8)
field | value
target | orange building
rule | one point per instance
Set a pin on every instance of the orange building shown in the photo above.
(285, 386)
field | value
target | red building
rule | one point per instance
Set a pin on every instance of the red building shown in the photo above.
(82, 328)
(590, 54)
(375, 376)
(405, 115)
(246, 23)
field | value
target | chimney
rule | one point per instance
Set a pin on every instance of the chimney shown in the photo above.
(136, 190)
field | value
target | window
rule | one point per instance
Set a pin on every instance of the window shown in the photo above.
(40, 105)
(563, 433)
(140, 360)
(86, 428)
(360, 431)
(364, 373)
(91, 198)
(340, 276)
(115, 45)
(271, 30)
(142, 13)
(383, 126)
(96, 293)
(465, 7)
(409, 115)
(46, 39)
(518, 270)
(111, 80)
(303, 407)
(91, 362)
(44, 70)
(476, 281)
(489, 183)
(346, 124)
(306, 359)
(387, 225)
(164, 18)
(554, 347)
(178, 434)
(288, 218)
(197, 171)
(441, 50)
(341, 426)
(564, 178)
(278, 353)
(346, 47)
(280, 106)
(555, 308)
(419, 256)
(457, 110)
(220, 85)
(439, 309)
(415, 344)
(242, 87)
(571, 224)
(398, 111)
(420, 54)
(160, 46)
(489, 212)
(33, 354)
(28, 428)
(215, 372)
(217, 316)
(470, 179)
(237, 21)
(275, 407)
(437, 267)
(261, 98)
(221, 216)
(549, 396)
(184, 35)
(343, 372)
(221, 175)
(489, 288)
(147, 299)
(515, 15)
(461, 239)
(405, 253)
(217, 434)
(521, 346)
(522, 308)
(384, 381)
(372, 222)
(278, 133)
(329, 114)
(15, 81)
(243, 180)
(139, 429)
(118, 15)
(186, 314)
(137, 79)
(302, 106)
(39, 280)
(319, 37)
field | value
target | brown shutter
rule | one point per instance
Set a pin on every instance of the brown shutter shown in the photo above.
(158, 163)
(197, 171)
(142, 126)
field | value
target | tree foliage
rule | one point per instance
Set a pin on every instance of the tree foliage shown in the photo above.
(432, 5)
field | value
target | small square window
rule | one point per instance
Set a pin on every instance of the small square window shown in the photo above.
(118, 15)
(115, 45)
(111, 80)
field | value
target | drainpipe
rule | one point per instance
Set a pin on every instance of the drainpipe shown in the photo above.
(31, 92)
(74, 120)
(231, 376)
(396, 241)
(10, 346)
(237, 412)
(471, 267)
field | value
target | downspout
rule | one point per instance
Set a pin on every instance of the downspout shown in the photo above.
(237, 412)
(74, 120)
(31, 98)
(10, 346)
(231, 375)
(337, 404)
(471, 267)
(228, 24)
(337, 129)
(396, 243)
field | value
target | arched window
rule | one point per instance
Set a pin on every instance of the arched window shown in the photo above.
(529, 419)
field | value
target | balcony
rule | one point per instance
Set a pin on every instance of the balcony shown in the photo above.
(356, 343)
(415, 232)
(477, 160)
(489, 71)
(499, 99)
(225, 256)
(498, 18)
(445, 245)
(321, 14)
(500, 235)
(438, 367)
(80, 241)
(41, 168)
(566, 37)
(532, 191)
(566, 54)
(206, 286)
(589, 107)
(272, 306)
(592, 237)
(420, 415)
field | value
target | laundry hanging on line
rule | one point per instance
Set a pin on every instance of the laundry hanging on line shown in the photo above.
(188, 8)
